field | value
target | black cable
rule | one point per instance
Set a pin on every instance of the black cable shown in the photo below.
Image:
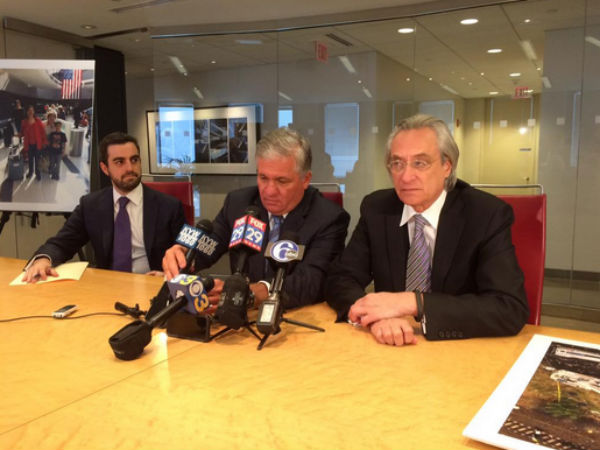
(63, 318)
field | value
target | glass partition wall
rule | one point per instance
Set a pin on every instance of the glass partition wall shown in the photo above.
(516, 83)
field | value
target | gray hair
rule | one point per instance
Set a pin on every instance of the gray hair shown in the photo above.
(446, 144)
(286, 142)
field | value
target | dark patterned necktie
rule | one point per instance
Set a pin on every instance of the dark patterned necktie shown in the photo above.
(122, 238)
(274, 231)
(418, 270)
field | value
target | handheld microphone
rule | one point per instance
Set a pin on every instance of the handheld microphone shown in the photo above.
(197, 240)
(194, 289)
(283, 254)
(247, 237)
(129, 342)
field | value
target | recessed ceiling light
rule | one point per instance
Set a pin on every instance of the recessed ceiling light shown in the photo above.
(515, 74)
(249, 41)
(538, 69)
(285, 96)
(347, 64)
(359, 81)
(482, 73)
(407, 78)
(469, 21)
(527, 20)
(151, 69)
(406, 30)
(88, 27)
(213, 62)
(430, 79)
(495, 50)
(493, 92)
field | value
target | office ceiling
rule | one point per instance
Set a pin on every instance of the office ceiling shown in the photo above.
(441, 49)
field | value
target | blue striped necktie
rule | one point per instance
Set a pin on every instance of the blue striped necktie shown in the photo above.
(418, 269)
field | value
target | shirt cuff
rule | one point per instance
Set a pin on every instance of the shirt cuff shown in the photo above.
(266, 283)
(34, 259)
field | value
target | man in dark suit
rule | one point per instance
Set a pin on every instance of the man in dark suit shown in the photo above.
(283, 161)
(131, 238)
(461, 278)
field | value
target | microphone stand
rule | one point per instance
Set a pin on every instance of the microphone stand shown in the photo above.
(272, 324)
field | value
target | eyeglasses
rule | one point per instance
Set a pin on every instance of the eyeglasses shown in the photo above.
(399, 165)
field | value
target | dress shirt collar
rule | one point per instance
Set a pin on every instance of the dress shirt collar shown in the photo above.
(431, 214)
(134, 196)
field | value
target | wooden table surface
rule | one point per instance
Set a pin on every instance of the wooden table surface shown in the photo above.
(62, 387)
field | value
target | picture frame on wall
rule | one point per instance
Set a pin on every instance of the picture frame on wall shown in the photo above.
(187, 140)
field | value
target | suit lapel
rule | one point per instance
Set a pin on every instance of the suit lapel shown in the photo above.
(150, 215)
(397, 239)
(106, 214)
(450, 229)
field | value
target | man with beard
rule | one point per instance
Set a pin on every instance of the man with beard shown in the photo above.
(129, 225)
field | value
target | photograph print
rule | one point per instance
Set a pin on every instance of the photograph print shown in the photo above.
(187, 140)
(45, 130)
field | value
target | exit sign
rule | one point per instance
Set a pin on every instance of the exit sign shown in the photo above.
(321, 53)
(522, 92)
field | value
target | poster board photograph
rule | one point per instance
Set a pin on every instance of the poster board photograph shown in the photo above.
(550, 399)
(45, 132)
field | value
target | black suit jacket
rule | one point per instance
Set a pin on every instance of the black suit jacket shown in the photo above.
(93, 221)
(476, 283)
(321, 225)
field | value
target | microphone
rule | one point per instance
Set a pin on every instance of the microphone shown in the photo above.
(134, 312)
(283, 254)
(129, 342)
(232, 310)
(197, 240)
(194, 289)
(247, 237)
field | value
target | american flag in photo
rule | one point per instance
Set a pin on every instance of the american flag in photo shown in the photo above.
(71, 84)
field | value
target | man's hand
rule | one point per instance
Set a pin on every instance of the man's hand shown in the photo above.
(261, 293)
(382, 305)
(39, 270)
(214, 295)
(173, 261)
(394, 331)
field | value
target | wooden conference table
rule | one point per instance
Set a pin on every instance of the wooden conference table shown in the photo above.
(61, 386)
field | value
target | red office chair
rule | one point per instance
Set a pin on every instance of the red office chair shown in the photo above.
(181, 190)
(529, 239)
(335, 196)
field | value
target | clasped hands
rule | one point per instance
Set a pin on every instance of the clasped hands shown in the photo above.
(384, 314)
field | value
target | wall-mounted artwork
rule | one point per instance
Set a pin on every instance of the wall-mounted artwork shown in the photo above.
(184, 139)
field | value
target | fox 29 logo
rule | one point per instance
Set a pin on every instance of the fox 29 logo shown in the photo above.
(284, 251)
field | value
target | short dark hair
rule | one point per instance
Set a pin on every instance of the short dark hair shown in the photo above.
(115, 138)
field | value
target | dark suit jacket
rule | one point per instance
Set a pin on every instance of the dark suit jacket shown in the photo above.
(321, 225)
(93, 221)
(476, 286)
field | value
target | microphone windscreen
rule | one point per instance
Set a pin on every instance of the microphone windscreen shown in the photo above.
(253, 211)
(205, 225)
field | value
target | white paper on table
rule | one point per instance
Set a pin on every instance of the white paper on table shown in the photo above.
(66, 271)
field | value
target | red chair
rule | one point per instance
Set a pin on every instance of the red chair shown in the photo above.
(529, 239)
(181, 190)
(335, 196)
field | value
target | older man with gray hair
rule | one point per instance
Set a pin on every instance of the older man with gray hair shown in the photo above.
(286, 202)
(436, 248)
